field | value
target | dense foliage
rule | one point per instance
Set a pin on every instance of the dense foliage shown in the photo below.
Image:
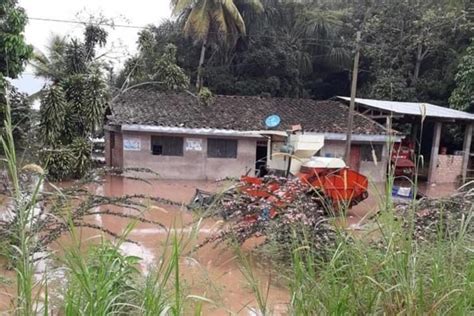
(410, 50)
(211, 21)
(14, 52)
(73, 105)
(463, 95)
(152, 67)
(22, 117)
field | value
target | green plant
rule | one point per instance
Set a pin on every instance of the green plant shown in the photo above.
(260, 291)
(206, 97)
(14, 52)
(462, 97)
(164, 291)
(21, 238)
(68, 162)
(100, 282)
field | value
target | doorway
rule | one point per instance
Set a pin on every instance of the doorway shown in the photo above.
(261, 157)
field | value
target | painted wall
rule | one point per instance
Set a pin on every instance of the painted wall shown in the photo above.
(194, 164)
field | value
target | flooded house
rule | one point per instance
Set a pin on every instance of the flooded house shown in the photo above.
(180, 137)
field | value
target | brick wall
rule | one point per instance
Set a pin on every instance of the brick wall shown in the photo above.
(448, 169)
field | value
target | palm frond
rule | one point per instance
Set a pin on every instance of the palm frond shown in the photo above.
(198, 22)
(320, 22)
(255, 5)
(220, 20)
(178, 6)
(230, 8)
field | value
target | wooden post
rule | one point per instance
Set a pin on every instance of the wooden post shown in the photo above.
(350, 118)
(466, 150)
(434, 152)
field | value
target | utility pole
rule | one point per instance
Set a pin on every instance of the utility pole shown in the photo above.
(350, 119)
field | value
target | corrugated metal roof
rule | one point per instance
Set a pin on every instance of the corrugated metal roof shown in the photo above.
(413, 108)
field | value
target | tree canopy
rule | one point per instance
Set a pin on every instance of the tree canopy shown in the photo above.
(73, 104)
(410, 49)
(14, 52)
(462, 97)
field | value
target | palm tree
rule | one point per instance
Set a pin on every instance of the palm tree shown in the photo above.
(51, 65)
(206, 17)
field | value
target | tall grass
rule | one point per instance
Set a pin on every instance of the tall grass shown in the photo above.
(23, 204)
(396, 278)
(100, 281)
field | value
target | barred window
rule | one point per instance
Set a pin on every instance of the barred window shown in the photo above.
(221, 148)
(166, 145)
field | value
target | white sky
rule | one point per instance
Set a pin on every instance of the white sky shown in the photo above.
(121, 41)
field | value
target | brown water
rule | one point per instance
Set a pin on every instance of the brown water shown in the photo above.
(210, 272)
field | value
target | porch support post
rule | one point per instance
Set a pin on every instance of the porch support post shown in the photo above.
(466, 150)
(434, 152)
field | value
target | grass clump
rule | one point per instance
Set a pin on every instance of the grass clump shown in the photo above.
(398, 276)
(100, 282)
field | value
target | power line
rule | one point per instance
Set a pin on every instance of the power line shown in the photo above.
(85, 23)
(306, 41)
(140, 27)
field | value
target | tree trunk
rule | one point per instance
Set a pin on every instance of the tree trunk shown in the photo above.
(201, 65)
(419, 59)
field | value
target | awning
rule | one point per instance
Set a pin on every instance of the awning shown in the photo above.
(413, 108)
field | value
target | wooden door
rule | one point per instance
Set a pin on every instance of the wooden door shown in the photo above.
(354, 162)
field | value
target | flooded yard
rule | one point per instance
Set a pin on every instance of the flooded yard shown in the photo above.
(210, 272)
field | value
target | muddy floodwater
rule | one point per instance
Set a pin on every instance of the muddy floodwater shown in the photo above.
(211, 272)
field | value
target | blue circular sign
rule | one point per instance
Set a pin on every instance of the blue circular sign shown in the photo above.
(272, 121)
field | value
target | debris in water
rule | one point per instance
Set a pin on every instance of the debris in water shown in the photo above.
(434, 218)
(283, 216)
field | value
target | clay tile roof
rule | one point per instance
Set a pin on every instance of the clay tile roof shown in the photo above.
(241, 113)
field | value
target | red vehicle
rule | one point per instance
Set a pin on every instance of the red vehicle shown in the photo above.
(336, 184)
(402, 158)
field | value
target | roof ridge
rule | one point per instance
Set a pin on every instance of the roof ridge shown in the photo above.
(270, 97)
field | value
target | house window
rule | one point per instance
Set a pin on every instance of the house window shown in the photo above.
(221, 148)
(366, 152)
(166, 145)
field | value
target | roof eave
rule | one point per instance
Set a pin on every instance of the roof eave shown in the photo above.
(189, 131)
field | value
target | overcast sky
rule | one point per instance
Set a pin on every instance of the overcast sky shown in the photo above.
(122, 41)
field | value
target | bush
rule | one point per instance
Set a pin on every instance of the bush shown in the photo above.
(70, 162)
